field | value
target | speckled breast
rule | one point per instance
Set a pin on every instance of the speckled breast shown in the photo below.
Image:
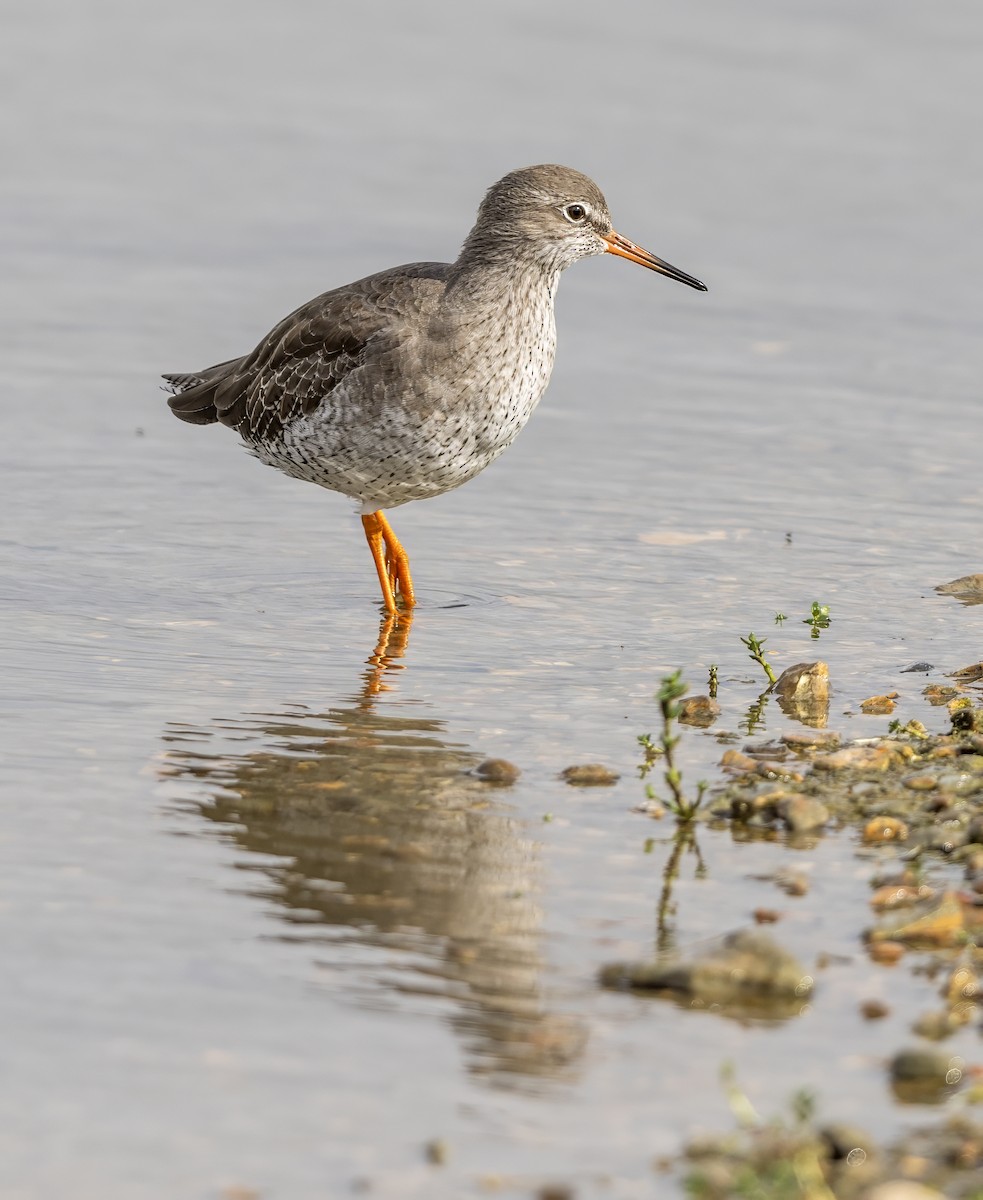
(428, 419)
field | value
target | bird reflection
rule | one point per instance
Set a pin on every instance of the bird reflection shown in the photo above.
(372, 829)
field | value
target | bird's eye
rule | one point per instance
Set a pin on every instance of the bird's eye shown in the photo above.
(575, 213)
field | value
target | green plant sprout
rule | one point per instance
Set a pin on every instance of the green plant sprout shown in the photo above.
(712, 683)
(651, 752)
(756, 652)
(781, 1159)
(817, 619)
(755, 715)
(668, 696)
(780, 617)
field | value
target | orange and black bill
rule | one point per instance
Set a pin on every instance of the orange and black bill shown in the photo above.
(624, 249)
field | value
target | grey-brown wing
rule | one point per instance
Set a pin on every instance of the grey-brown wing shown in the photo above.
(302, 360)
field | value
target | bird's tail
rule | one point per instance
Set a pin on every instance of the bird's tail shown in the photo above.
(194, 392)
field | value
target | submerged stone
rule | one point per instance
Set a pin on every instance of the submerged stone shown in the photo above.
(745, 967)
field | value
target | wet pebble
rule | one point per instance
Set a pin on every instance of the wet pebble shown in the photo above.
(843, 1141)
(803, 692)
(589, 775)
(898, 896)
(802, 814)
(885, 829)
(887, 953)
(744, 964)
(792, 881)
(863, 758)
(962, 984)
(936, 1026)
(966, 719)
(923, 1074)
(436, 1152)
(735, 760)
(497, 770)
(811, 739)
(874, 1010)
(700, 711)
(920, 783)
(879, 705)
(942, 924)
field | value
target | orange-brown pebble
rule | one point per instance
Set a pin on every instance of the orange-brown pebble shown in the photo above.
(874, 1010)
(766, 916)
(944, 925)
(734, 760)
(862, 758)
(879, 705)
(887, 953)
(921, 783)
(885, 829)
(962, 984)
(896, 895)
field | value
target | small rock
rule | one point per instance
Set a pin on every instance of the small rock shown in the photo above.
(802, 814)
(936, 1026)
(874, 1010)
(924, 1075)
(842, 1141)
(497, 770)
(863, 758)
(968, 589)
(811, 739)
(942, 925)
(885, 829)
(899, 895)
(966, 719)
(922, 1063)
(946, 839)
(589, 775)
(792, 882)
(436, 1152)
(698, 710)
(887, 953)
(921, 783)
(936, 694)
(803, 692)
(879, 705)
(919, 668)
(766, 916)
(746, 966)
(962, 984)
(734, 760)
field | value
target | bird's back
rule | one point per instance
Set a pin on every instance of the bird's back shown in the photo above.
(302, 361)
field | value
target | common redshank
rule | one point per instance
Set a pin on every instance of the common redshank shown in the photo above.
(407, 383)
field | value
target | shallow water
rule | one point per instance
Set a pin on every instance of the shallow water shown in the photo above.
(259, 928)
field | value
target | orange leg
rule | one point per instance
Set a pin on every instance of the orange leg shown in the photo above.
(391, 562)
(398, 563)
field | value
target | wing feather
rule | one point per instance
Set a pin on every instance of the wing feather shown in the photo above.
(301, 362)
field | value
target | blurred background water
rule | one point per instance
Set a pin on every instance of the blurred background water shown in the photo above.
(260, 928)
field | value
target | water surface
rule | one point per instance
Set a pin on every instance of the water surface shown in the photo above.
(262, 927)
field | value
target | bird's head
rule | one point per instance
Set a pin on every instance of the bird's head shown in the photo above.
(554, 215)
